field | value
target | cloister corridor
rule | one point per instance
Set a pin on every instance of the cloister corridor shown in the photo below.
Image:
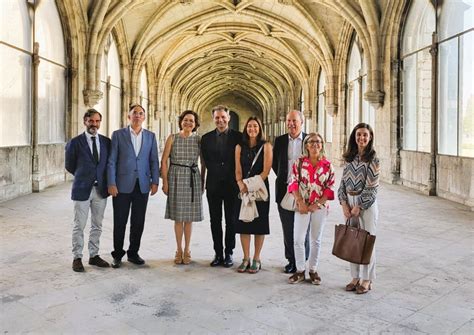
(402, 66)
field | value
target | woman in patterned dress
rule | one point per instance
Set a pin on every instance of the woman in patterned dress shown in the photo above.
(357, 195)
(312, 182)
(252, 141)
(182, 182)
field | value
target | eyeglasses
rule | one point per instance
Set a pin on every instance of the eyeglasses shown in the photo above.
(311, 142)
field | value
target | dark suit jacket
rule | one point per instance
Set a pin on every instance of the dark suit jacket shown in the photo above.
(220, 170)
(80, 162)
(280, 165)
(124, 167)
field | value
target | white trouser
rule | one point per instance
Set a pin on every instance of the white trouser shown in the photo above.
(317, 220)
(81, 210)
(368, 221)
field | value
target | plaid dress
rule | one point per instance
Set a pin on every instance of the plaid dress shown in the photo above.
(184, 201)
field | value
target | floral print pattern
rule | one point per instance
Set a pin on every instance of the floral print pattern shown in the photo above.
(314, 182)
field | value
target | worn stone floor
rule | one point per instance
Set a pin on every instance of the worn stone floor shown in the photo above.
(425, 278)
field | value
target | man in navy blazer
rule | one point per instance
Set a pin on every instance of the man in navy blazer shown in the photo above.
(86, 159)
(132, 174)
(287, 149)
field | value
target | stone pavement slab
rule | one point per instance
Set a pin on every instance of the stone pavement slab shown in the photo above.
(425, 276)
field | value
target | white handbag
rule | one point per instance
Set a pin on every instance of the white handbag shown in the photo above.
(288, 202)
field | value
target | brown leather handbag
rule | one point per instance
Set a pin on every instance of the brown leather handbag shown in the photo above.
(353, 244)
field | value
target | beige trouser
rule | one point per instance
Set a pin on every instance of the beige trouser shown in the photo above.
(368, 221)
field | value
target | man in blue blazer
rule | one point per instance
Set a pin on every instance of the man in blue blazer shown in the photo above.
(86, 159)
(133, 174)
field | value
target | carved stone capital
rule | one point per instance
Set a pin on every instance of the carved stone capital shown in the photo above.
(376, 98)
(92, 97)
(331, 109)
(308, 113)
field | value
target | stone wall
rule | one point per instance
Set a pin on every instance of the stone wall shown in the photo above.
(455, 175)
(16, 169)
(456, 179)
(415, 170)
(51, 165)
(15, 172)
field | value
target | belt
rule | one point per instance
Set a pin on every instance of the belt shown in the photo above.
(193, 169)
(353, 193)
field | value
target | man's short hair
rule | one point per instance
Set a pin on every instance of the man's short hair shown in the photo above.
(220, 108)
(300, 114)
(90, 112)
(132, 107)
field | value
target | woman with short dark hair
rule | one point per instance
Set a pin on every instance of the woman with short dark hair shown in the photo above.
(182, 182)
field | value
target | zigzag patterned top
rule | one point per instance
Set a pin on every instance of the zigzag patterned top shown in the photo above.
(360, 176)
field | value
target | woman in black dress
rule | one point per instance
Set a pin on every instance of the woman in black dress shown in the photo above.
(253, 140)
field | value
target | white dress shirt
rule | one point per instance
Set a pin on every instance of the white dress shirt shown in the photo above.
(89, 142)
(136, 140)
(295, 148)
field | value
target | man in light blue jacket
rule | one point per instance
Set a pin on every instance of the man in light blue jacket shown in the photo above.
(132, 174)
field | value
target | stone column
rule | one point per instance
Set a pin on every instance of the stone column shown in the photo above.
(282, 122)
(107, 106)
(394, 109)
(308, 120)
(37, 183)
(434, 114)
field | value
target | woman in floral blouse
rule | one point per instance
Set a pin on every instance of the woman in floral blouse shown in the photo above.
(357, 195)
(312, 182)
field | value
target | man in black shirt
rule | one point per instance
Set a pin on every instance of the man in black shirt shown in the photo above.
(218, 152)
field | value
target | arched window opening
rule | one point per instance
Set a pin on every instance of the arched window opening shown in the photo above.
(358, 109)
(416, 77)
(325, 121)
(456, 78)
(144, 101)
(301, 101)
(16, 47)
(234, 120)
(306, 124)
(111, 87)
(51, 74)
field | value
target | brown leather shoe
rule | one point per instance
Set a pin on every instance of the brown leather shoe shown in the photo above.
(362, 290)
(77, 265)
(97, 261)
(296, 278)
(352, 287)
(314, 278)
